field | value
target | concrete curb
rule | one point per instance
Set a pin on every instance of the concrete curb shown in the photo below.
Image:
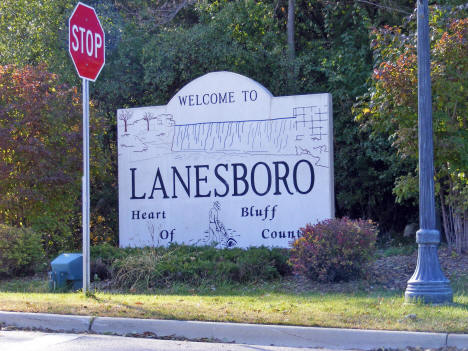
(255, 334)
(55, 322)
(458, 340)
(240, 333)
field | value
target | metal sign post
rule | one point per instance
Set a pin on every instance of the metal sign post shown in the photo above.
(85, 187)
(87, 50)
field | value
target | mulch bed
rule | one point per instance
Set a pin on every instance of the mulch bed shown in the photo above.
(395, 271)
(391, 273)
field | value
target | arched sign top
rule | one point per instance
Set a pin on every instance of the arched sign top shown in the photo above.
(226, 95)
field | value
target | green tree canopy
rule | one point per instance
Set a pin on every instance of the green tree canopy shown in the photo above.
(391, 108)
(149, 59)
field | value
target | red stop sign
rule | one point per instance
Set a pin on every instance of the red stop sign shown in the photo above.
(86, 42)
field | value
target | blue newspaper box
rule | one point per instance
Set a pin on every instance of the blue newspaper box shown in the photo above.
(67, 272)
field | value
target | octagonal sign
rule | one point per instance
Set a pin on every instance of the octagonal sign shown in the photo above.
(86, 42)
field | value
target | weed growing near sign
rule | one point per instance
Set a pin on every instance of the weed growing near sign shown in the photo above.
(397, 250)
(159, 267)
(334, 249)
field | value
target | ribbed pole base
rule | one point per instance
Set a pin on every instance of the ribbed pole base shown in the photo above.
(428, 283)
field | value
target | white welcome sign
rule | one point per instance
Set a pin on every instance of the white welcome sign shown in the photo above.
(225, 163)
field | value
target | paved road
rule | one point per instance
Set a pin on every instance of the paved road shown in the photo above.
(16, 340)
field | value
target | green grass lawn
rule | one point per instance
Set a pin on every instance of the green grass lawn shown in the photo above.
(266, 303)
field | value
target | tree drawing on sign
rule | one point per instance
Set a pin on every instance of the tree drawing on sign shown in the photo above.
(148, 116)
(125, 116)
(217, 232)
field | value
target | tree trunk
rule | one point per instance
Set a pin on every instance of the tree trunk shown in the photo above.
(291, 49)
(465, 231)
(445, 221)
(455, 222)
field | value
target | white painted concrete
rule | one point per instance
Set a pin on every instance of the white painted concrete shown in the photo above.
(224, 162)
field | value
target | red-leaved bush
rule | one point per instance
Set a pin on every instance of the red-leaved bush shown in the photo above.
(334, 249)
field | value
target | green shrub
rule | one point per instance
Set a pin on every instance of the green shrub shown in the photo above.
(162, 267)
(21, 251)
(334, 249)
(108, 253)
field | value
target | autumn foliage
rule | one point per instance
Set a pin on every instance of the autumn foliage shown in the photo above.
(40, 151)
(334, 249)
(391, 108)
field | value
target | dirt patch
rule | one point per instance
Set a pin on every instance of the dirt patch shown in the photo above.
(391, 273)
(395, 271)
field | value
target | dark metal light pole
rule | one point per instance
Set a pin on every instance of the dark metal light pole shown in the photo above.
(428, 282)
